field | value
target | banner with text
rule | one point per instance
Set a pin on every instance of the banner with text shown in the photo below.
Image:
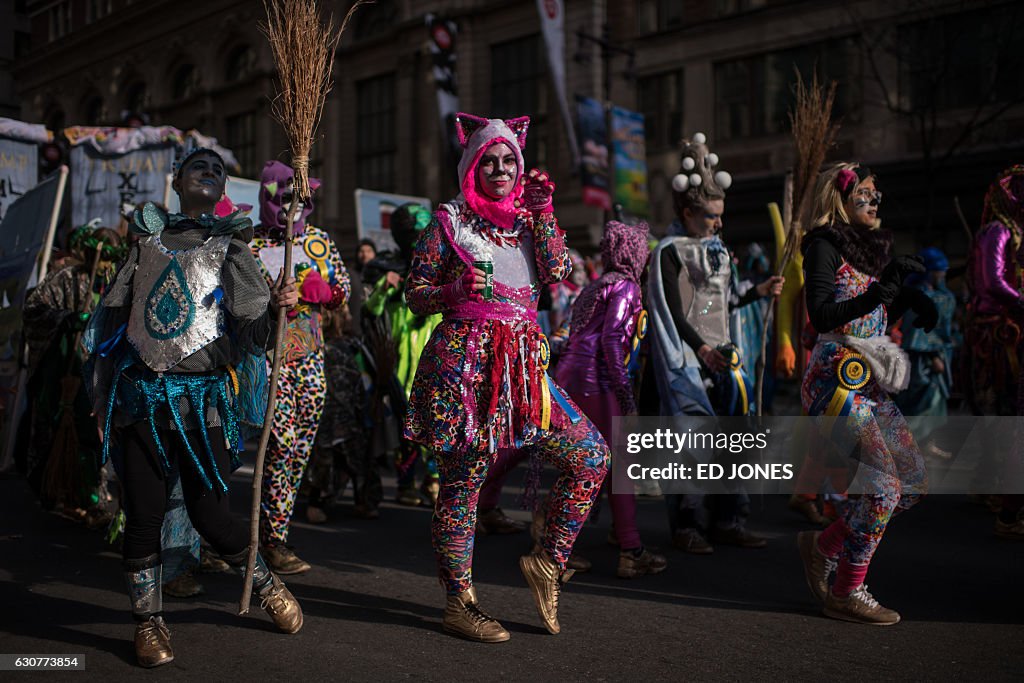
(101, 183)
(19, 170)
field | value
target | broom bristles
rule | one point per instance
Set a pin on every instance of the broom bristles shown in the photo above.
(303, 49)
(813, 135)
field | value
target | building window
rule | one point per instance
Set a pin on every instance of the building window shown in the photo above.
(375, 19)
(660, 100)
(186, 82)
(375, 133)
(519, 87)
(240, 138)
(962, 59)
(724, 8)
(93, 111)
(136, 99)
(60, 20)
(658, 15)
(97, 9)
(754, 95)
(241, 64)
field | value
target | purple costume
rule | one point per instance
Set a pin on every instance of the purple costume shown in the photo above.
(594, 365)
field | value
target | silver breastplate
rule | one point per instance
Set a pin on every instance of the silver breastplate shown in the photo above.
(175, 311)
(704, 283)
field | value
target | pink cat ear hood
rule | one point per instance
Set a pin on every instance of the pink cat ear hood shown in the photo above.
(478, 135)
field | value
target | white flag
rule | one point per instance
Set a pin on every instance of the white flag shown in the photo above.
(552, 21)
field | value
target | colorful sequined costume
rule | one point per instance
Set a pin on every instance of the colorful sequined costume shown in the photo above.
(840, 382)
(482, 385)
(322, 281)
(609, 321)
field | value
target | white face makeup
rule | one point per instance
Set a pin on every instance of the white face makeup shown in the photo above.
(497, 171)
(862, 205)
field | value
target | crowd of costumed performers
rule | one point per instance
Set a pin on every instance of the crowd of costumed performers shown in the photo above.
(483, 342)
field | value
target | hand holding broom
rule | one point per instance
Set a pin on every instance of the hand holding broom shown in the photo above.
(303, 47)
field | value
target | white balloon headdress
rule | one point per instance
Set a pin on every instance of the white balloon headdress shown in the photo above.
(697, 177)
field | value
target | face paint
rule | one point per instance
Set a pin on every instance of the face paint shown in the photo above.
(497, 171)
(862, 206)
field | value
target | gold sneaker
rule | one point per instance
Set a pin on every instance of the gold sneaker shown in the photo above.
(495, 521)
(282, 607)
(153, 643)
(463, 617)
(817, 566)
(545, 581)
(283, 560)
(860, 607)
(631, 566)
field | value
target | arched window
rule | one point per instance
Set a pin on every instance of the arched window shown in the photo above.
(136, 97)
(55, 119)
(92, 110)
(240, 65)
(185, 83)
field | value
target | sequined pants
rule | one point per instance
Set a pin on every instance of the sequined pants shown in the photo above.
(581, 457)
(301, 392)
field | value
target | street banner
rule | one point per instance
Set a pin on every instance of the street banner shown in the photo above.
(19, 170)
(373, 215)
(111, 167)
(630, 161)
(593, 141)
(443, 34)
(100, 183)
(552, 22)
(26, 228)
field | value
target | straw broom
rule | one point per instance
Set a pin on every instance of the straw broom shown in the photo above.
(813, 135)
(303, 48)
(62, 478)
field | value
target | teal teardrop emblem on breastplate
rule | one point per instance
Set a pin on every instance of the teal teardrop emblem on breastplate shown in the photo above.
(169, 307)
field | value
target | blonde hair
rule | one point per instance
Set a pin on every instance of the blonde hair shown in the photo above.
(829, 203)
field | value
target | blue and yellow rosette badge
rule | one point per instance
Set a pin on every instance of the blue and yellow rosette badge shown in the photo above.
(852, 373)
(318, 249)
(543, 361)
(732, 356)
(639, 333)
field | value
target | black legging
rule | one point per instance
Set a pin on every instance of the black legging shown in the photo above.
(145, 492)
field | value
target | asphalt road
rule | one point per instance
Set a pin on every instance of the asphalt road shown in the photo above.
(373, 605)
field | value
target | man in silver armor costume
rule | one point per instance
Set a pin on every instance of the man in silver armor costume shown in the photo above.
(183, 311)
(697, 365)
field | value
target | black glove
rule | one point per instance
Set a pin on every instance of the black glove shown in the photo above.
(900, 267)
(884, 291)
(926, 314)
